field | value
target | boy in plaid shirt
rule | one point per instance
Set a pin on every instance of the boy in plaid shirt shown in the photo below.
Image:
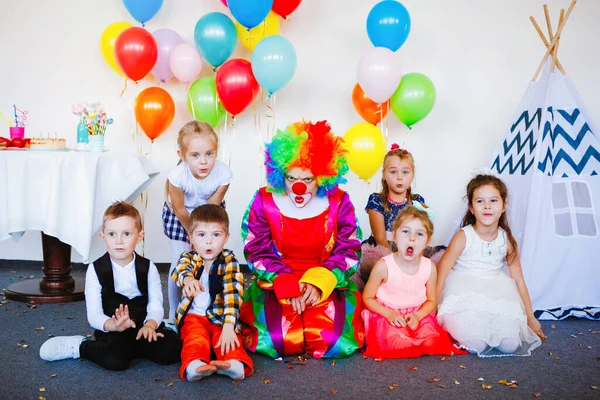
(213, 287)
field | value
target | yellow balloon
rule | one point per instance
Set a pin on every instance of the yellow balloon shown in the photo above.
(366, 149)
(107, 43)
(250, 38)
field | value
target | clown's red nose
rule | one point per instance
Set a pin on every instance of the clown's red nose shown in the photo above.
(299, 188)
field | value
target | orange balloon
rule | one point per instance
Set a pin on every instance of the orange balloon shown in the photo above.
(370, 111)
(154, 111)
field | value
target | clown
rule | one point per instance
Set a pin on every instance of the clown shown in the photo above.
(302, 242)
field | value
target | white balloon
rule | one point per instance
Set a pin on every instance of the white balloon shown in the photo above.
(379, 74)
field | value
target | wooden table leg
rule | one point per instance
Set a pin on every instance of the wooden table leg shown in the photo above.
(57, 285)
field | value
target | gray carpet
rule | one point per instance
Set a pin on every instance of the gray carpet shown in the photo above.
(566, 366)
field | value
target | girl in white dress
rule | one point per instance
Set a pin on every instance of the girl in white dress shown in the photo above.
(485, 310)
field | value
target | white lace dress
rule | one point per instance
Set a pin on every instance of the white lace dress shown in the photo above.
(480, 301)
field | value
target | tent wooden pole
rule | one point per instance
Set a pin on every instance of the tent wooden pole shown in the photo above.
(548, 22)
(550, 34)
(553, 42)
(555, 50)
(554, 58)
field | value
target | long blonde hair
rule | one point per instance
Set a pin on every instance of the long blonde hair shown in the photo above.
(188, 132)
(404, 155)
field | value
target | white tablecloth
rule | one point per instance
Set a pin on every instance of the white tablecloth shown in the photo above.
(64, 194)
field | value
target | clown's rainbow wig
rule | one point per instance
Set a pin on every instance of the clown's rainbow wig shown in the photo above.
(308, 146)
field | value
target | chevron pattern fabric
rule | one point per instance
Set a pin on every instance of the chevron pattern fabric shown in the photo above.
(568, 145)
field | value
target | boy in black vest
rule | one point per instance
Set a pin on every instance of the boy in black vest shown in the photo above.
(124, 303)
(208, 313)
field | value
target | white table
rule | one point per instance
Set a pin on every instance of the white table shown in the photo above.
(64, 195)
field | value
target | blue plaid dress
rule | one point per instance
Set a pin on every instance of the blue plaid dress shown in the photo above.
(172, 227)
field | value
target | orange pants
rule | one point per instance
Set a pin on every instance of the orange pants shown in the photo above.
(199, 337)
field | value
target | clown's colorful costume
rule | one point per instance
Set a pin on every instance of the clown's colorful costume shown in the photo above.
(317, 244)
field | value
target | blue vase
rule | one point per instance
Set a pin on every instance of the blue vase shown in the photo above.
(82, 133)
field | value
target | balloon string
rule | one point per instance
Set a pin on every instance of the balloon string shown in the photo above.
(231, 147)
(190, 102)
(124, 87)
(223, 138)
(258, 128)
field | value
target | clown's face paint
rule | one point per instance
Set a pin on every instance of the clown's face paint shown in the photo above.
(300, 186)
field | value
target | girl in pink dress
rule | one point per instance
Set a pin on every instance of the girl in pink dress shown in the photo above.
(399, 297)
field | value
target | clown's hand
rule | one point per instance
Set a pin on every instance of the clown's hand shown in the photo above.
(310, 294)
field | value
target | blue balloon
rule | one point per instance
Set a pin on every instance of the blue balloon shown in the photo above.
(388, 24)
(250, 13)
(273, 63)
(215, 37)
(143, 10)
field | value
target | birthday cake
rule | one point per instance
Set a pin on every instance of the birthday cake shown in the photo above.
(48, 144)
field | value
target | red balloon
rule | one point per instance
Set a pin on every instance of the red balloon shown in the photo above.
(370, 111)
(136, 52)
(285, 7)
(154, 111)
(236, 85)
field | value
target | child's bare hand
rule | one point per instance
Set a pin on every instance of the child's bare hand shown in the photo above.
(228, 340)
(191, 286)
(396, 319)
(121, 319)
(535, 326)
(412, 321)
(149, 333)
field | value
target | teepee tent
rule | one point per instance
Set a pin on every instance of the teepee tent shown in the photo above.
(550, 160)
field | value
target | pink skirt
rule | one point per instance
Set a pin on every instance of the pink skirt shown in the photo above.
(387, 341)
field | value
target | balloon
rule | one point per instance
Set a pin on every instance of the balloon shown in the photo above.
(379, 73)
(224, 2)
(274, 63)
(285, 7)
(166, 41)
(136, 52)
(250, 13)
(215, 37)
(154, 111)
(250, 38)
(388, 25)
(185, 62)
(143, 10)
(107, 43)
(366, 149)
(236, 85)
(413, 99)
(203, 102)
(370, 111)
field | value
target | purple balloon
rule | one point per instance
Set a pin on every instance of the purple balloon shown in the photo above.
(166, 41)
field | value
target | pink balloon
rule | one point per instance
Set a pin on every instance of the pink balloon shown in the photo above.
(379, 74)
(224, 2)
(185, 62)
(166, 41)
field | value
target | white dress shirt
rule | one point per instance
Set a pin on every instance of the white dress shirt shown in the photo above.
(125, 284)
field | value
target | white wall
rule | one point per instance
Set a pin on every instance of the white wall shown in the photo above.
(480, 55)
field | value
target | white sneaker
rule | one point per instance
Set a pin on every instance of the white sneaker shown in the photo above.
(61, 347)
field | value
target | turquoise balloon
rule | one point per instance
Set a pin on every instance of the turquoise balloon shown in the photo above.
(414, 99)
(203, 103)
(215, 37)
(273, 63)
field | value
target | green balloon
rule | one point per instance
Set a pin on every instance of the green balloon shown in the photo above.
(414, 98)
(203, 102)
